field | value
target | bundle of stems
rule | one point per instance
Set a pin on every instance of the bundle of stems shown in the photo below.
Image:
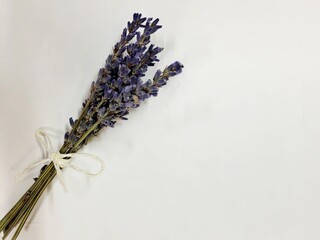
(23, 208)
(118, 89)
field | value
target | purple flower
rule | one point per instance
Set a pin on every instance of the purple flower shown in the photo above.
(119, 86)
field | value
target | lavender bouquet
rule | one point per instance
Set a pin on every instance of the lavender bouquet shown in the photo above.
(118, 88)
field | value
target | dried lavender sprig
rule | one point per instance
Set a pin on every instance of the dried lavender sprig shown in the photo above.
(118, 89)
(119, 47)
(119, 86)
(126, 36)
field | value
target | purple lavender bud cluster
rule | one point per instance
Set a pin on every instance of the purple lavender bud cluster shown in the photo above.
(119, 86)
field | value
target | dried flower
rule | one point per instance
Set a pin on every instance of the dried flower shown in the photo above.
(118, 88)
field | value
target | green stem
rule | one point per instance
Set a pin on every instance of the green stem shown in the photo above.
(6, 222)
(17, 217)
(98, 106)
(27, 214)
(21, 211)
(83, 137)
(64, 148)
(16, 208)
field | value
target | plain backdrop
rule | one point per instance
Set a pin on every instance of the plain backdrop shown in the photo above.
(229, 150)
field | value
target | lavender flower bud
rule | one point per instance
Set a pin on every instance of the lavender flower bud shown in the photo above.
(119, 86)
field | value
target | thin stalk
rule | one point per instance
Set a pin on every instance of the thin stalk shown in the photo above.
(27, 214)
(25, 207)
(84, 111)
(86, 134)
(21, 211)
(74, 128)
(16, 208)
(97, 107)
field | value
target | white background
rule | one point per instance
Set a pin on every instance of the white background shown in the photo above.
(229, 150)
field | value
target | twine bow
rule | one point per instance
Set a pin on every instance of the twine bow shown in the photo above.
(59, 160)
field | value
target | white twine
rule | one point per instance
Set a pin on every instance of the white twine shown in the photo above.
(59, 160)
